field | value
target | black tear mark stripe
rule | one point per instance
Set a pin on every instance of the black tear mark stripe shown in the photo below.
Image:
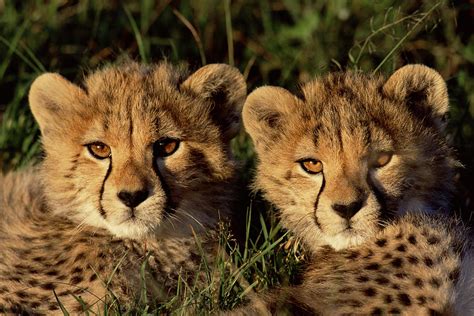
(109, 170)
(169, 205)
(316, 204)
(380, 197)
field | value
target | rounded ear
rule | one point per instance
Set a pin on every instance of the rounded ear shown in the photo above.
(422, 89)
(52, 98)
(265, 113)
(224, 86)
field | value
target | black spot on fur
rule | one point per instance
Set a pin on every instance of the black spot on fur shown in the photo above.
(388, 299)
(62, 277)
(401, 275)
(433, 240)
(353, 255)
(39, 259)
(80, 257)
(62, 261)
(77, 270)
(412, 239)
(394, 311)
(387, 256)
(412, 259)
(76, 279)
(32, 282)
(454, 275)
(401, 248)
(17, 309)
(435, 283)
(404, 299)
(418, 282)
(381, 242)
(428, 262)
(377, 311)
(399, 236)
(48, 286)
(52, 273)
(397, 263)
(362, 278)
(370, 292)
(382, 280)
(372, 266)
(354, 303)
(345, 290)
(93, 277)
(53, 307)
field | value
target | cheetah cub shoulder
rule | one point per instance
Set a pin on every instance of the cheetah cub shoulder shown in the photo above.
(137, 160)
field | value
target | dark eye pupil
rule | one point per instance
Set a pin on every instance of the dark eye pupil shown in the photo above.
(166, 147)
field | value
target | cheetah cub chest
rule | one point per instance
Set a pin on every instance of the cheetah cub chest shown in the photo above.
(348, 159)
(131, 159)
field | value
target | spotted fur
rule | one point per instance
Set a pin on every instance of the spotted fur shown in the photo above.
(354, 214)
(67, 226)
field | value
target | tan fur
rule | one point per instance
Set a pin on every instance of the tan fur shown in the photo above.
(406, 268)
(64, 226)
(346, 121)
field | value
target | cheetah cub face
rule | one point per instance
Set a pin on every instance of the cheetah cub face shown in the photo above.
(138, 149)
(352, 152)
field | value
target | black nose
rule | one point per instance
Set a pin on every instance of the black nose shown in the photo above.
(133, 199)
(349, 210)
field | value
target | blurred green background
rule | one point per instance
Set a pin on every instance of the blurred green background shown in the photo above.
(281, 42)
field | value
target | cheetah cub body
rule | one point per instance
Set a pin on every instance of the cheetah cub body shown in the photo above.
(131, 159)
(346, 164)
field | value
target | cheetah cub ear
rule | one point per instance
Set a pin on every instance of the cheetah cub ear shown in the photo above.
(266, 114)
(422, 89)
(52, 100)
(224, 87)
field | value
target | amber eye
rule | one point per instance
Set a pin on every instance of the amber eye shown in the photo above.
(99, 150)
(311, 166)
(383, 158)
(166, 147)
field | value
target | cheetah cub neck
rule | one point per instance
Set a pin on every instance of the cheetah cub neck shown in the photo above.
(352, 153)
(138, 150)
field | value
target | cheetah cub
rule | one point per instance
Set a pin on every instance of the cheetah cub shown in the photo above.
(137, 161)
(351, 165)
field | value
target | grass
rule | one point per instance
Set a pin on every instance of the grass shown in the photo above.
(278, 42)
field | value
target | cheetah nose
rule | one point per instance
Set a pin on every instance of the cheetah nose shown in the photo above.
(132, 199)
(349, 210)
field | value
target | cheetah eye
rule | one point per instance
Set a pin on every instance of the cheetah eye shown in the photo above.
(99, 150)
(311, 166)
(165, 147)
(382, 159)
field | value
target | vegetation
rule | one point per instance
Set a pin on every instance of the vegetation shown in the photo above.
(279, 42)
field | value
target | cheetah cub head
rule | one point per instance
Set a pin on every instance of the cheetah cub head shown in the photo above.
(351, 153)
(139, 150)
